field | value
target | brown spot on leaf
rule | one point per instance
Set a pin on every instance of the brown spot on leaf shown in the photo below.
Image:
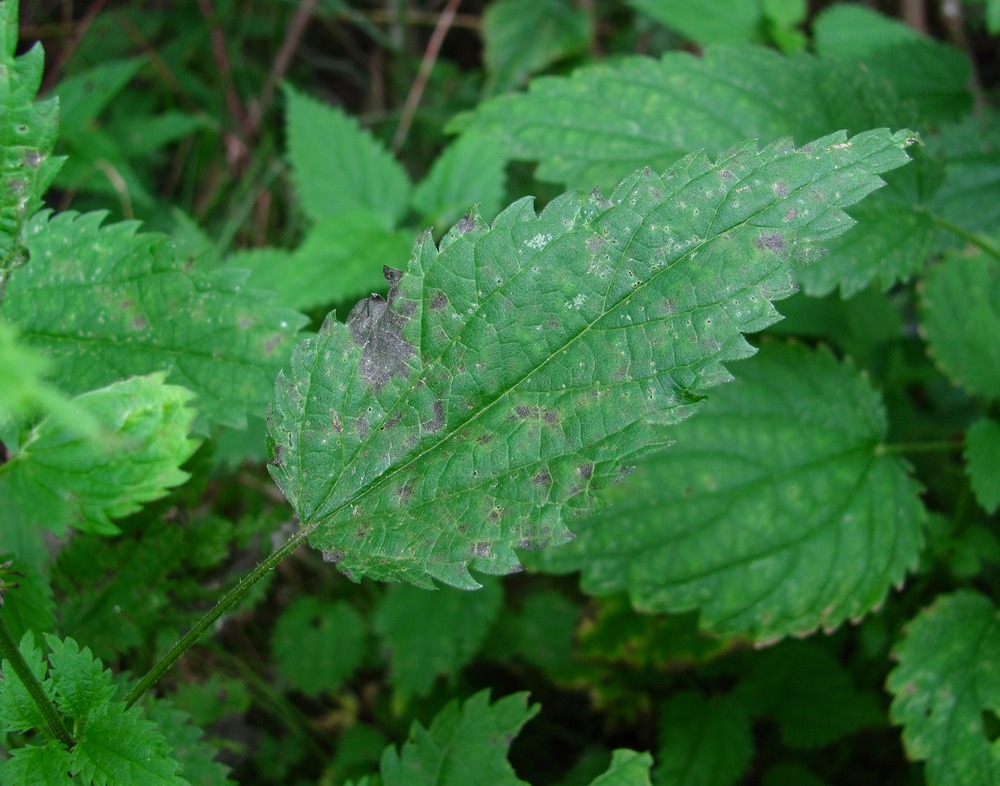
(485, 439)
(466, 225)
(376, 325)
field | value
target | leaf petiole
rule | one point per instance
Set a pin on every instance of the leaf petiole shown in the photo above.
(932, 446)
(226, 602)
(10, 652)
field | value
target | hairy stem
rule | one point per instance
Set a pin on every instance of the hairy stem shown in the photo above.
(226, 602)
(10, 652)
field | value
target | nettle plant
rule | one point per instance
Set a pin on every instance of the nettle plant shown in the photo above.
(529, 376)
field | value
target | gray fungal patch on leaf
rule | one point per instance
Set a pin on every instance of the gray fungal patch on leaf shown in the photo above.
(466, 225)
(542, 478)
(335, 422)
(333, 557)
(377, 328)
(436, 423)
(440, 301)
(363, 428)
(277, 455)
(585, 471)
(779, 189)
(481, 549)
(772, 241)
(551, 417)
(32, 158)
(405, 494)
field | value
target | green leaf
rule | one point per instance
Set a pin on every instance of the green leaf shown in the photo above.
(341, 258)
(30, 604)
(60, 479)
(462, 746)
(18, 711)
(521, 37)
(469, 172)
(513, 370)
(107, 303)
(960, 308)
(717, 22)
(777, 511)
(935, 76)
(39, 765)
(119, 746)
(192, 751)
(82, 684)
(605, 121)
(982, 462)
(702, 740)
(808, 693)
(627, 768)
(338, 167)
(993, 16)
(541, 633)
(893, 240)
(318, 644)
(429, 634)
(946, 686)
(27, 135)
(85, 94)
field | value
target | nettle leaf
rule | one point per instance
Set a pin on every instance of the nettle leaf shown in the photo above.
(120, 746)
(607, 120)
(703, 740)
(521, 37)
(627, 768)
(81, 682)
(30, 604)
(337, 166)
(960, 307)
(718, 22)
(776, 512)
(463, 745)
(982, 462)
(108, 302)
(470, 171)
(193, 752)
(429, 634)
(60, 479)
(946, 690)
(27, 135)
(513, 370)
(340, 258)
(318, 644)
(933, 75)
(18, 710)
(39, 765)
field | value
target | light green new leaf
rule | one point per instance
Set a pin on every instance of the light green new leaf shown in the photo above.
(81, 682)
(18, 710)
(105, 303)
(946, 681)
(318, 644)
(28, 131)
(935, 76)
(340, 259)
(469, 172)
(703, 741)
(776, 512)
(39, 765)
(60, 479)
(120, 746)
(430, 634)
(463, 745)
(627, 768)
(717, 22)
(982, 462)
(605, 121)
(337, 166)
(514, 370)
(960, 307)
(521, 37)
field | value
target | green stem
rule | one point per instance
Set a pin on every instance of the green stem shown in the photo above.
(10, 652)
(935, 446)
(976, 240)
(226, 602)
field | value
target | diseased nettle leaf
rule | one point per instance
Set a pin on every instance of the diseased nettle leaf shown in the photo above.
(608, 119)
(946, 689)
(463, 745)
(60, 479)
(776, 512)
(514, 370)
(960, 304)
(109, 302)
(28, 131)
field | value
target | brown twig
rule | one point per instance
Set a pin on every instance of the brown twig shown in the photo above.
(221, 55)
(292, 37)
(423, 74)
(414, 16)
(67, 51)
